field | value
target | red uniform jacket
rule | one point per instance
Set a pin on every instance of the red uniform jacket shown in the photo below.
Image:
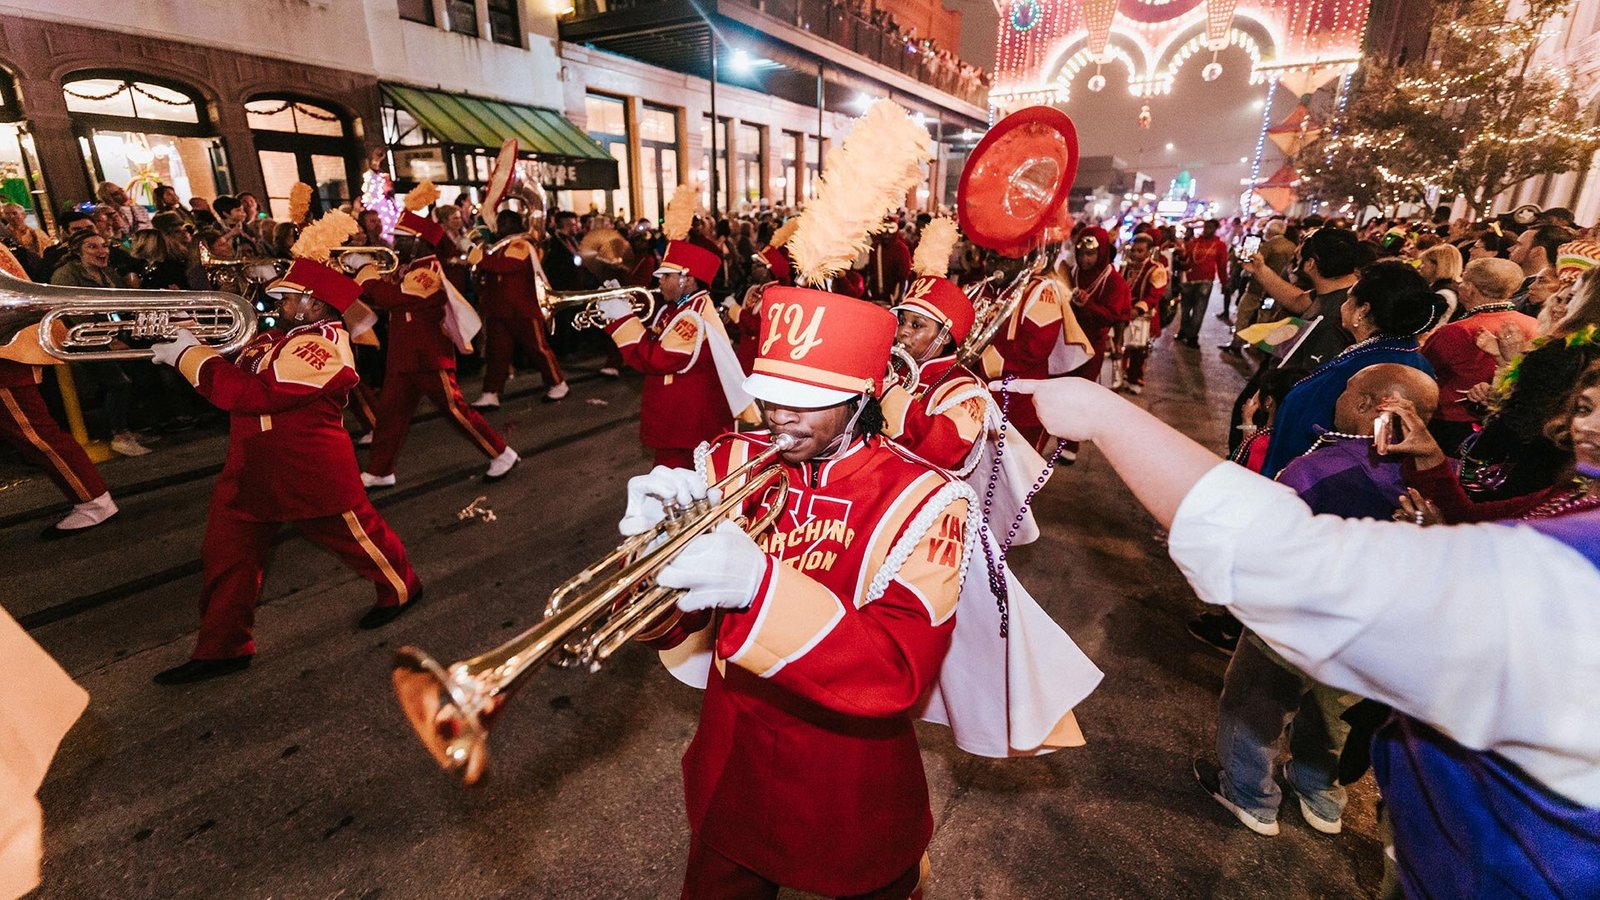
(1149, 286)
(805, 767)
(506, 284)
(417, 340)
(15, 374)
(888, 266)
(945, 421)
(289, 456)
(683, 403)
(1106, 302)
(1023, 345)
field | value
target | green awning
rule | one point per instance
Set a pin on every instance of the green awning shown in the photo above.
(475, 122)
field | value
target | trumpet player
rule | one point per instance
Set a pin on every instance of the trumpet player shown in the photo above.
(942, 416)
(289, 462)
(815, 640)
(428, 322)
(508, 294)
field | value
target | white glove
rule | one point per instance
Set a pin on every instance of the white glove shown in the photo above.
(611, 284)
(647, 494)
(167, 352)
(614, 308)
(719, 570)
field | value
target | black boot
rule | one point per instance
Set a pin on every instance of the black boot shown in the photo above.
(379, 616)
(202, 670)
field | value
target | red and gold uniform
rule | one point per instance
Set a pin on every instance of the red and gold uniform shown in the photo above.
(805, 770)
(1102, 301)
(1147, 287)
(421, 362)
(26, 423)
(509, 299)
(1041, 339)
(289, 461)
(684, 402)
(942, 418)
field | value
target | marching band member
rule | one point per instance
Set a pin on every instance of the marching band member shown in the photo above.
(508, 294)
(428, 322)
(1101, 300)
(772, 266)
(1147, 280)
(289, 461)
(26, 424)
(820, 637)
(1041, 339)
(692, 380)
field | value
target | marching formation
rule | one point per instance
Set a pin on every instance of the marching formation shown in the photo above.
(884, 454)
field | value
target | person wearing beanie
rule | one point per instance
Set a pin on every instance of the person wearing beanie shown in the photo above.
(289, 461)
(429, 322)
(827, 629)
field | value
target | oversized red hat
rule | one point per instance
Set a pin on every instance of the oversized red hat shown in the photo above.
(819, 349)
(777, 260)
(682, 256)
(942, 301)
(420, 227)
(307, 276)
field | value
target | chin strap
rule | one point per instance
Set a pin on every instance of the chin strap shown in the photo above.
(844, 438)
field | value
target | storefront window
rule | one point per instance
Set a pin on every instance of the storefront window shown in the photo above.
(300, 141)
(752, 152)
(608, 125)
(788, 180)
(725, 190)
(658, 170)
(503, 26)
(19, 165)
(813, 165)
(139, 135)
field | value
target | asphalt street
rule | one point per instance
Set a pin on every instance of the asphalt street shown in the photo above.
(300, 778)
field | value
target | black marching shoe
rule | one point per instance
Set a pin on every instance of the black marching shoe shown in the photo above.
(1219, 631)
(202, 670)
(379, 616)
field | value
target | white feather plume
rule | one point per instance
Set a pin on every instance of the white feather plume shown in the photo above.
(933, 251)
(679, 217)
(865, 179)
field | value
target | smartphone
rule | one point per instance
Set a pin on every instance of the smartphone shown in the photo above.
(1386, 430)
(1252, 246)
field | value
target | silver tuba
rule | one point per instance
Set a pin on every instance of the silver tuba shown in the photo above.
(92, 324)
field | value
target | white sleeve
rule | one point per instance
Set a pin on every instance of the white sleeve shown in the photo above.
(1486, 632)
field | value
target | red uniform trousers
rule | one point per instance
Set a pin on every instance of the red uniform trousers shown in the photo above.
(398, 402)
(712, 876)
(26, 423)
(364, 406)
(503, 334)
(235, 550)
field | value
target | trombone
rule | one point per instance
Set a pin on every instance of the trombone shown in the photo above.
(588, 618)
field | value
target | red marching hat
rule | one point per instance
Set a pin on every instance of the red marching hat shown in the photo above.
(420, 227)
(307, 276)
(819, 349)
(940, 300)
(682, 256)
(776, 259)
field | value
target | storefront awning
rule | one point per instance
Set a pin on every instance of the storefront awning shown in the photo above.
(569, 158)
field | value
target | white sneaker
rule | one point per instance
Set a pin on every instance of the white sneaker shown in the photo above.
(88, 514)
(365, 440)
(487, 400)
(557, 392)
(500, 465)
(370, 481)
(610, 371)
(127, 444)
(1135, 388)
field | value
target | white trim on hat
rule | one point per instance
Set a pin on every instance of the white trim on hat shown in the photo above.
(667, 268)
(784, 392)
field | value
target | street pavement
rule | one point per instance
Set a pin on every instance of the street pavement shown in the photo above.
(300, 778)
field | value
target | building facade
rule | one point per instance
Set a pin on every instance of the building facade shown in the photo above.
(218, 97)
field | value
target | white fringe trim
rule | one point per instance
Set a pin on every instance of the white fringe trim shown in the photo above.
(914, 533)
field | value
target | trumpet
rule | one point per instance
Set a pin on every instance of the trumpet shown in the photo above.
(586, 620)
(384, 258)
(87, 324)
(239, 276)
(587, 304)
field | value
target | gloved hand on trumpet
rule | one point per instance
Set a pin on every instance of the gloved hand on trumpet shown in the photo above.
(614, 308)
(166, 353)
(721, 569)
(650, 493)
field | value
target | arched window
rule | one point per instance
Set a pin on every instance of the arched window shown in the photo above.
(19, 165)
(298, 139)
(141, 132)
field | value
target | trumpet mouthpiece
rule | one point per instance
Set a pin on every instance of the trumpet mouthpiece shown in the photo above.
(783, 441)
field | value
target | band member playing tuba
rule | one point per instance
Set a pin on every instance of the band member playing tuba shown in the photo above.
(692, 374)
(289, 461)
(816, 641)
(428, 322)
(508, 294)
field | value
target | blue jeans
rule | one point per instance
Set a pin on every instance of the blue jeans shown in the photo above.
(1262, 695)
(1196, 300)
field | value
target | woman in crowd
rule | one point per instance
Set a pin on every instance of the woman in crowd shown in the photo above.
(27, 237)
(90, 267)
(1387, 308)
(1440, 266)
(167, 251)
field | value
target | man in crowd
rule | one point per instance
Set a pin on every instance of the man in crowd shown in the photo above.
(1276, 253)
(1458, 362)
(1535, 251)
(507, 281)
(824, 647)
(1204, 262)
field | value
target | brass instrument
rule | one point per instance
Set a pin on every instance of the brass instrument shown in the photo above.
(240, 276)
(383, 257)
(587, 303)
(479, 251)
(87, 324)
(904, 369)
(586, 620)
(991, 315)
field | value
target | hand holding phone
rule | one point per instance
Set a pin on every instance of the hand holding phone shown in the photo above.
(1251, 246)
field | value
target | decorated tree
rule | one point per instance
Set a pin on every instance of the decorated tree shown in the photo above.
(1480, 114)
